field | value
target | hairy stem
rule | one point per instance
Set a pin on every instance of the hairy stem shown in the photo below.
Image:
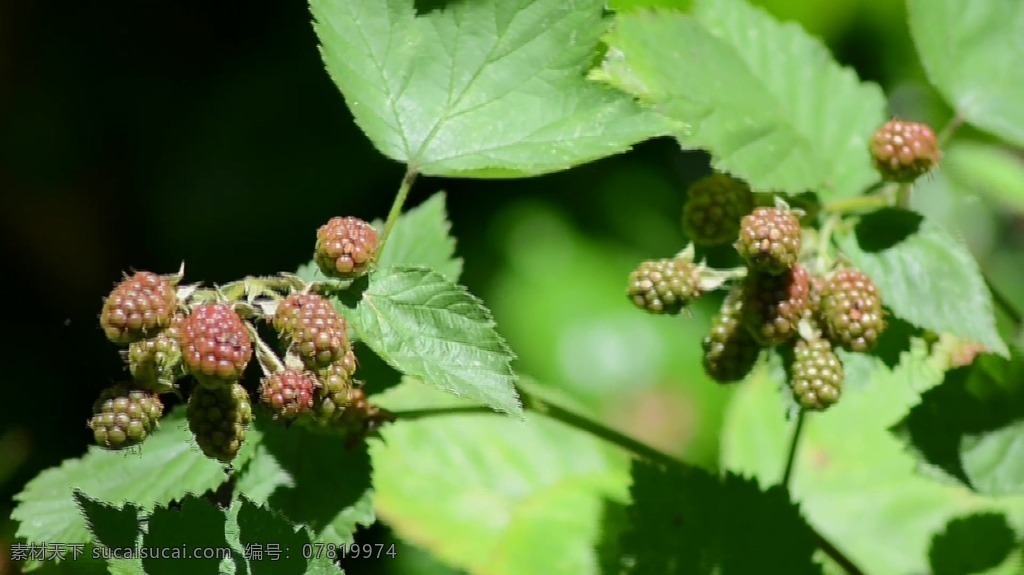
(268, 360)
(396, 207)
(903, 196)
(794, 442)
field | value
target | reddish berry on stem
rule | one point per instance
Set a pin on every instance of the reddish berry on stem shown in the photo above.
(313, 328)
(138, 307)
(215, 344)
(289, 393)
(345, 247)
(773, 305)
(903, 151)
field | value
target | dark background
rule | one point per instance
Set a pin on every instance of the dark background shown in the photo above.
(141, 134)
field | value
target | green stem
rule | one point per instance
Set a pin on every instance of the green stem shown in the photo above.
(794, 441)
(411, 414)
(856, 204)
(396, 207)
(1004, 303)
(573, 419)
(903, 196)
(949, 129)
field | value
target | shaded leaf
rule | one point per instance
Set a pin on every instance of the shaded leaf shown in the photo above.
(765, 99)
(691, 522)
(311, 478)
(167, 466)
(429, 328)
(272, 545)
(924, 275)
(490, 88)
(185, 538)
(110, 525)
(971, 52)
(491, 494)
(972, 544)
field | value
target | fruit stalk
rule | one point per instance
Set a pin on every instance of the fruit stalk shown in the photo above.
(396, 207)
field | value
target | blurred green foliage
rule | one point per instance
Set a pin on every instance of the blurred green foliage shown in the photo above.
(140, 135)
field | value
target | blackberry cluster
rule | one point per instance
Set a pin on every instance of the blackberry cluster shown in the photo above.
(189, 338)
(778, 304)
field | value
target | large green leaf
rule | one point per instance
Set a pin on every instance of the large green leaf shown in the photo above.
(273, 546)
(489, 88)
(972, 52)
(421, 237)
(432, 329)
(848, 457)
(766, 99)
(312, 478)
(186, 538)
(925, 275)
(491, 494)
(167, 466)
(691, 522)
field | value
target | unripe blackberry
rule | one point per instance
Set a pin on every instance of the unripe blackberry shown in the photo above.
(123, 417)
(851, 309)
(138, 307)
(770, 240)
(903, 151)
(773, 305)
(313, 329)
(218, 418)
(215, 344)
(156, 363)
(816, 375)
(664, 286)
(345, 247)
(714, 208)
(334, 394)
(730, 352)
(289, 393)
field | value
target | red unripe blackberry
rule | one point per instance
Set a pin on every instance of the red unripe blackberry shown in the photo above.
(289, 393)
(816, 375)
(138, 307)
(312, 328)
(664, 286)
(156, 363)
(730, 351)
(714, 208)
(770, 240)
(903, 151)
(123, 417)
(218, 418)
(773, 305)
(215, 344)
(851, 309)
(345, 247)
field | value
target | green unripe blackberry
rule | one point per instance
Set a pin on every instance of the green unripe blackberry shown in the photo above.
(851, 309)
(730, 352)
(345, 247)
(714, 208)
(123, 417)
(312, 328)
(218, 418)
(770, 240)
(289, 393)
(156, 363)
(335, 392)
(215, 344)
(139, 307)
(904, 151)
(816, 375)
(664, 286)
(773, 305)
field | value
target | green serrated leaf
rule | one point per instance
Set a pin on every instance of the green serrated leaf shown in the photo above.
(429, 328)
(847, 452)
(125, 567)
(110, 525)
(167, 466)
(311, 478)
(185, 538)
(626, 5)
(691, 522)
(490, 88)
(988, 170)
(971, 52)
(494, 495)
(764, 98)
(272, 545)
(925, 275)
(421, 237)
